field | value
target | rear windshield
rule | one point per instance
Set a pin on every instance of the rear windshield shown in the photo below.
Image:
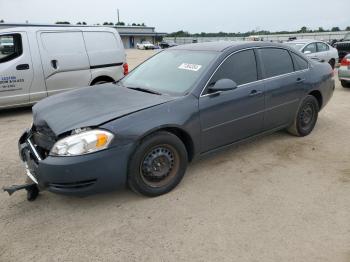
(296, 46)
(172, 72)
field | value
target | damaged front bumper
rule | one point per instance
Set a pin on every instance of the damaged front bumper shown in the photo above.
(101, 171)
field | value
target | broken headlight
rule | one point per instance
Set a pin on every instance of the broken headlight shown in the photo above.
(82, 143)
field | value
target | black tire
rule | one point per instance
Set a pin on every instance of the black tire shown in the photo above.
(345, 83)
(157, 165)
(306, 117)
(332, 63)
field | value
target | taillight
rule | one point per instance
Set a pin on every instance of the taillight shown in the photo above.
(345, 61)
(126, 68)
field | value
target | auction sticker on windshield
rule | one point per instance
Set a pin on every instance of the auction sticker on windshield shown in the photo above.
(191, 67)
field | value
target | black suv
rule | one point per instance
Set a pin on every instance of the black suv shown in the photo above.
(343, 46)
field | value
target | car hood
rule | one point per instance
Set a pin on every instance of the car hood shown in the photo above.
(91, 106)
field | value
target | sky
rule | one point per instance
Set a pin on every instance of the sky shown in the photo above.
(193, 16)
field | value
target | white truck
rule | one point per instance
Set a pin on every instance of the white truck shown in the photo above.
(39, 61)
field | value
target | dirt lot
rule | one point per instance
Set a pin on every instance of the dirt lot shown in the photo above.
(279, 198)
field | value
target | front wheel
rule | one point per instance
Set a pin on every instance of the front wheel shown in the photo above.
(306, 117)
(158, 164)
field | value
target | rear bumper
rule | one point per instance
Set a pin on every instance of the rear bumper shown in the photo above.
(78, 175)
(344, 73)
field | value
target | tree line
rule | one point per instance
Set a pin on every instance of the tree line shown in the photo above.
(104, 23)
(303, 29)
(84, 23)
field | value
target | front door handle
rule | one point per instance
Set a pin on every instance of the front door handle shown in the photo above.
(255, 92)
(22, 67)
(54, 64)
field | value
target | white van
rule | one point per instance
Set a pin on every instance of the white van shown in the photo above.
(39, 61)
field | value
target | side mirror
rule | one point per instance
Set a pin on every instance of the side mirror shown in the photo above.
(223, 85)
(307, 52)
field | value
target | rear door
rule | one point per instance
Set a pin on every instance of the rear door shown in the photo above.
(323, 51)
(106, 54)
(65, 61)
(16, 72)
(283, 86)
(233, 115)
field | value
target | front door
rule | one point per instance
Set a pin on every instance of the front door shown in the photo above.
(323, 51)
(233, 115)
(16, 71)
(65, 60)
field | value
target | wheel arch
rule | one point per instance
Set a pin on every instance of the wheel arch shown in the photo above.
(332, 62)
(183, 135)
(101, 78)
(318, 95)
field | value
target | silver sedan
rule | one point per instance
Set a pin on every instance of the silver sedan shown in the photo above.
(316, 49)
(344, 71)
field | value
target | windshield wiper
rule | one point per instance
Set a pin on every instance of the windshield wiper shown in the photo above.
(142, 89)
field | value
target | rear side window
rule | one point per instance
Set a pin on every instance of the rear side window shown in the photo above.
(321, 47)
(275, 61)
(299, 62)
(240, 67)
(10, 47)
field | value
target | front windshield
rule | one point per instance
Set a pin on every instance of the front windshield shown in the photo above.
(171, 72)
(347, 37)
(296, 46)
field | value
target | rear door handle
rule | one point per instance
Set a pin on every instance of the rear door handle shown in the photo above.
(54, 64)
(22, 67)
(255, 92)
(300, 80)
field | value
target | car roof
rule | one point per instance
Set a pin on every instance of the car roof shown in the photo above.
(221, 46)
(43, 27)
(305, 41)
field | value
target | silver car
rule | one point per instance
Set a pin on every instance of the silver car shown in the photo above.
(344, 71)
(316, 49)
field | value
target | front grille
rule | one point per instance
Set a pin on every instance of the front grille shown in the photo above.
(75, 185)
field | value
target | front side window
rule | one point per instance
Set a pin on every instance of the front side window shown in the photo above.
(10, 47)
(310, 48)
(172, 72)
(239, 67)
(275, 61)
(321, 47)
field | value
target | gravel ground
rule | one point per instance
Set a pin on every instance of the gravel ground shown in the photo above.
(278, 198)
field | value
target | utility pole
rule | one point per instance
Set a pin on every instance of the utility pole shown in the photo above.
(118, 15)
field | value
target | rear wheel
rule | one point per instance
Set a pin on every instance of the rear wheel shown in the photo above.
(345, 83)
(306, 117)
(158, 164)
